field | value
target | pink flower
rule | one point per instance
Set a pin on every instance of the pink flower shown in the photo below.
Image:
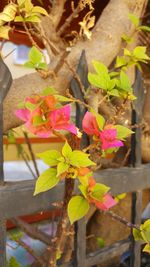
(90, 125)
(22, 114)
(60, 120)
(107, 203)
(42, 119)
(108, 138)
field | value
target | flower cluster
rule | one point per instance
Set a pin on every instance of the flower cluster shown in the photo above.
(42, 116)
(106, 136)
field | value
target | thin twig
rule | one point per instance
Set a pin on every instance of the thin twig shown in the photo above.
(121, 219)
(31, 252)
(32, 231)
(31, 153)
(68, 21)
(32, 40)
(76, 76)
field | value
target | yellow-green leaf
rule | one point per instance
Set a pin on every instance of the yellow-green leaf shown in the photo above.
(80, 159)
(61, 168)
(99, 191)
(77, 208)
(50, 157)
(66, 150)
(46, 181)
(146, 248)
(135, 20)
(122, 132)
(4, 31)
(38, 9)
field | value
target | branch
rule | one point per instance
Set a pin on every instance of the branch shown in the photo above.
(104, 46)
(32, 231)
(57, 11)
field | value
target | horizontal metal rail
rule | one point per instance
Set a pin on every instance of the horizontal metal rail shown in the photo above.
(16, 198)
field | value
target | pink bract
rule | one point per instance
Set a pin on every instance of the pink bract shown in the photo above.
(90, 125)
(108, 139)
(107, 203)
(60, 120)
(51, 120)
(22, 114)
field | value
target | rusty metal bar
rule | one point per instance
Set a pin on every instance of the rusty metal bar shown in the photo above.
(136, 160)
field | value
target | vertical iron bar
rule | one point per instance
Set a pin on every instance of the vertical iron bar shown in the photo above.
(5, 83)
(80, 226)
(135, 161)
(2, 223)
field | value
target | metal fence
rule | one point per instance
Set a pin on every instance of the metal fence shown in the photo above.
(16, 198)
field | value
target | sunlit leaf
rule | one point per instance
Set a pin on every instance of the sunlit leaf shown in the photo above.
(38, 9)
(66, 150)
(50, 157)
(135, 20)
(122, 132)
(99, 191)
(62, 167)
(77, 208)
(80, 159)
(35, 56)
(46, 181)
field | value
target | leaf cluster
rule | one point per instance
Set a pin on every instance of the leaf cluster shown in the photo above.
(143, 234)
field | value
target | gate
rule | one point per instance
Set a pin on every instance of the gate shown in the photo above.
(16, 198)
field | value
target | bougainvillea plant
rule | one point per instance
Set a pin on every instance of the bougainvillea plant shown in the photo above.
(49, 113)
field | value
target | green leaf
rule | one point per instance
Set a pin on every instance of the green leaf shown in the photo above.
(33, 18)
(28, 6)
(50, 157)
(42, 66)
(66, 150)
(99, 118)
(120, 61)
(29, 64)
(127, 52)
(46, 181)
(122, 132)
(30, 106)
(124, 82)
(83, 190)
(140, 53)
(62, 167)
(145, 231)
(135, 20)
(21, 2)
(19, 19)
(99, 191)
(144, 28)
(49, 91)
(100, 68)
(137, 235)
(80, 159)
(100, 242)
(114, 92)
(126, 38)
(146, 248)
(62, 98)
(4, 32)
(38, 120)
(13, 262)
(99, 81)
(35, 55)
(38, 9)
(77, 208)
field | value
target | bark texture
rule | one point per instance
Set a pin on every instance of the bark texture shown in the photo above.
(104, 46)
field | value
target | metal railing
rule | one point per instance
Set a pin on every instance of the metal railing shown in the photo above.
(16, 198)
